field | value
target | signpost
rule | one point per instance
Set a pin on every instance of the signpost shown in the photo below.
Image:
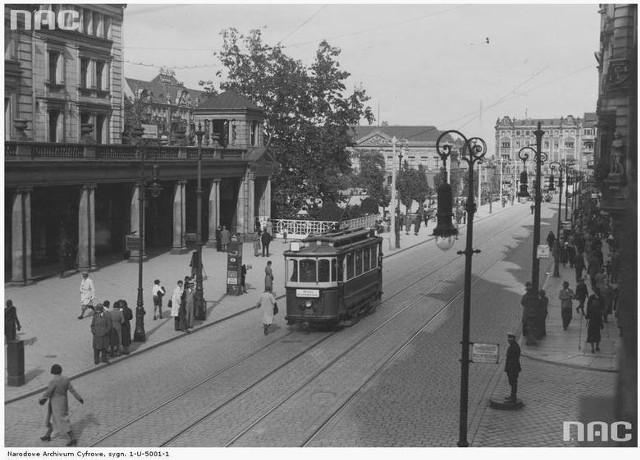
(485, 353)
(543, 251)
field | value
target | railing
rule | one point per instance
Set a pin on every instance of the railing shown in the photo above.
(10, 149)
(303, 228)
(54, 150)
(115, 151)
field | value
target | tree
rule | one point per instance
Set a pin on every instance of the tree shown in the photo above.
(136, 112)
(308, 115)
(371, 178)
(413, 185)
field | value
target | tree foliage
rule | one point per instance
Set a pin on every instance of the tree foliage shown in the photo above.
(136, 112)
(308, 115)
(412, 185)
(371, 178)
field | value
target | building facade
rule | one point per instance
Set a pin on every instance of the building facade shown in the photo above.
(616, 176)
(59, 80)
(72, 188)
(415, 145)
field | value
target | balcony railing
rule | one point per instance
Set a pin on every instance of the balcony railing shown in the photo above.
(10, 149)
(54, 150)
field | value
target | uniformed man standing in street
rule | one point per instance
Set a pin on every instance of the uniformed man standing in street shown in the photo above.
(512, 366)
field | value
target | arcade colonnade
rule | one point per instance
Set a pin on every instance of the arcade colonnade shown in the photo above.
(169, 220)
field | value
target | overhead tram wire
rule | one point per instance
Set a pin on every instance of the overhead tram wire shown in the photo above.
(301, 25)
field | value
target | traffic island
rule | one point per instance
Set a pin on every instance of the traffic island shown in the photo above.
(506, 404)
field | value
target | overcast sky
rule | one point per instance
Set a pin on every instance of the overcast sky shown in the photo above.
(421, 63)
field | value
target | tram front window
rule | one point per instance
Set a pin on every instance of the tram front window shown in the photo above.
(292, 270)
(308, 271)
(323, 271)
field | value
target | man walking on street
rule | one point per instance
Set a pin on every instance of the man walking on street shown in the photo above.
(512, 366)
(87, 294)
(566, 306)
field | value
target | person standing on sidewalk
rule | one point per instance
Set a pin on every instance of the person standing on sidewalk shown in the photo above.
(127, 316)
(581, 295)
(606, 292)
(566, 306)
(512, 366)
(189, 305)
(256, 244)
(268, 277)
(158, 293)
(58, 408)
(265, 239)
(115, 315)
(225, 238)
(268, 306)
(578, 264)
(544, 312)
(87, 294)
(175, 304)
(594, 320)
(101, 330)
(11, 321)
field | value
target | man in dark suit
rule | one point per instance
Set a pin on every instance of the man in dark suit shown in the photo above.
(512, 366)
(101, 330)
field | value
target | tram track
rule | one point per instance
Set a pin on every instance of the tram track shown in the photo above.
(288, 396)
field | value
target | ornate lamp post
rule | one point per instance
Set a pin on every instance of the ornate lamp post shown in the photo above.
(198, 296)
(554, 165)
(473, 150)
(532, 315)
(399, 224)
(394, 211)
(155, 188)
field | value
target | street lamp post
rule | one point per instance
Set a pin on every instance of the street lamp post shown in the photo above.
(556, 254)
(473, 151)
(394, 212)
(198, 296)
(399, 225)
(155, 188)
(532, 313)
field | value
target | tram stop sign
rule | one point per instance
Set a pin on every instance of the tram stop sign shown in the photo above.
(485, 353)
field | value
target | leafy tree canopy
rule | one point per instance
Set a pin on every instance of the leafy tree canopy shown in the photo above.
(308, 115)
(371, 178)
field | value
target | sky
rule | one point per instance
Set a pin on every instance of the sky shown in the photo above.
(453, 66)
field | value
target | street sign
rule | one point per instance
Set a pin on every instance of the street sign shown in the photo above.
(543, 251)
(485, 353)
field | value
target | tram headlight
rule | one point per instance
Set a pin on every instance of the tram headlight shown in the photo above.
(308, 304)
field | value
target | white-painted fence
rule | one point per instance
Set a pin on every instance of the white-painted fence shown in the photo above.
(297, 229)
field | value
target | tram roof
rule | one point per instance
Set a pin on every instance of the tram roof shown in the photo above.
(330, 243)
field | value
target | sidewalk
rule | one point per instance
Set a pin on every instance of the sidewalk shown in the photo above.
(48, 309)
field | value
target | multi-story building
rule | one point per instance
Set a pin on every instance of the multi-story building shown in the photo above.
(415, 145)
(63, 70)
(70, 182)
(169, 105)
(616, 175)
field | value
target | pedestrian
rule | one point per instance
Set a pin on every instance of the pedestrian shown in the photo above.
(115, 315)
(158, 293)
(256, 244)
(189, 305)
(615, 266)
(416, 224)
(529, 302)
(127, 316)
(87, 294)
(594, 320)
(58, 408)
(187, 294)
(285, 233)
(101, 330)
(243, 277)
(578, 265)
(533, 207)
(175, 304)
(269, 228)
(571, 253)
(581, 295)
(256, 226)
(512, 367)
(11, 321)
(544, 312)
(600, 278)
(268, 277)
(593, 269)
(268, 307)
(225, 236)
(218, 239)
(566, 306)
(407, 223)
(266, 239)
(606, 292)
(194, 264)
(551, 237)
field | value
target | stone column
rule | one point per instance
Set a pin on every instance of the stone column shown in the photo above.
(265, 199)
(179, 218)
(21, 237)
(251, 201)
(241, 206)
(87, 229)
(214, 212)
(134, 219)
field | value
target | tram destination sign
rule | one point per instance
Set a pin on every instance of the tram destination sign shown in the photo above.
(485, 353)
(315, 293)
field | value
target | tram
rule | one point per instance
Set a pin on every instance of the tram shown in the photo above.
(334, 278)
